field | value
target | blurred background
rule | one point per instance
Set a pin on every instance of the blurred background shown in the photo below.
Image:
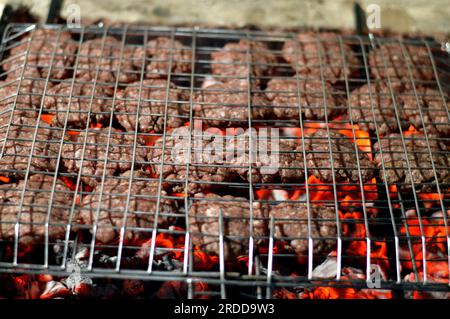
(427, 16)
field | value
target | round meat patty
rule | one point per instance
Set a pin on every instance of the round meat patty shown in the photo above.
(291, 223)
(204, 224)
(63, 101)
(388, 61)
(119, 155)
(112, 205)
(378, 97)
(435, 111)
(161, 50)
(108, 61)
(33, 214)
(226, 104)
(234, 60)
(285, 94)
(204, 167)
(18, 144)
(344, 158)
(277, 159)
(396, 165)
(310, 52)
(152, 101)
(29, 90)
(42, 51)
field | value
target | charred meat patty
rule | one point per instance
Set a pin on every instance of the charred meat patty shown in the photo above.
(107, 205)
(204, 224)
(32, 215)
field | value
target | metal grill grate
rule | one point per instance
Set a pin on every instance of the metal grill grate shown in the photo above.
(393, 225)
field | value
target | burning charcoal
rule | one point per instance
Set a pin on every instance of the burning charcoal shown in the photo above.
(55, 289)
(42, 52)
(110, 200)
(227, 104)
(427, 111)
(160, 51)
(33, 213)
(287, 94)
(291, 223)
(102, 59)
(243, 58)
(396, 171)
(176, 152)
(98, 157)
(78, 102)
(391, 60)
(133, 288)
(317, 146)
(379, 97)
(313, 53)
(204, 224)
(150, 96)
(18, 144)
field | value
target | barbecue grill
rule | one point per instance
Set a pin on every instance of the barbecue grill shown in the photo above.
(389, 236)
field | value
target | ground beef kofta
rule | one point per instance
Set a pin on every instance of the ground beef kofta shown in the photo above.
(235, 59)
(107, 204)
(204, 224)
(103, 58)
(33, 212)
(391, 61)
(205, 168)
(18, 141)
(391, 150)
(434, 108)
(272, 159)
(291, 224)
(379, 97)
(161, 51)
(312, 53)
(226, 104)
(286, 94)
(150, 96)
(48, 49)
(78, 102)
(344, 156)
(97, 157)
(25, 88)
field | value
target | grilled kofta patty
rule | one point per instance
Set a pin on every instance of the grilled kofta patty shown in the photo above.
(91, 157)
(107, 204)
(344, 156)
(372, 107)
(26, 88)
(33, 212)
(78, 102)
(104, 60)
(242, 59)
(391, 61)
(48, 49)
(205, 228)
(313, 53)
(391, 150)
(277, 159)
(291, 223)
(150, 96)
(162, 53)
(18, 142)
(205, 167)
(226, 104)
(285, 95)
(434, 108)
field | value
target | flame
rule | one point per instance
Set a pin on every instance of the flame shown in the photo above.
(4, 179)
